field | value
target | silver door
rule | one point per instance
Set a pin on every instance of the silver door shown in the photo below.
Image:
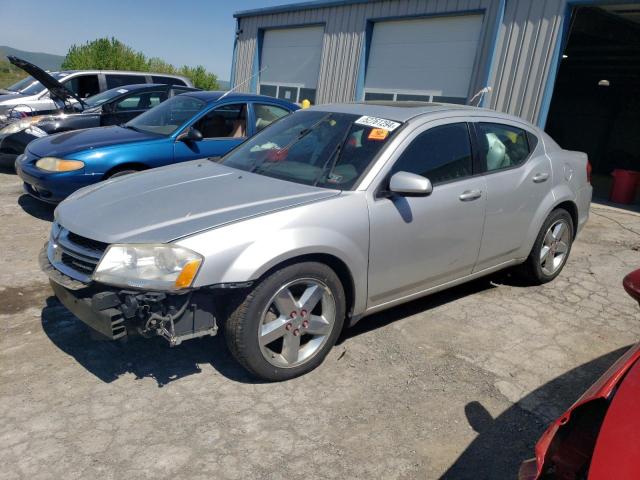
(515, 189)
(420, 242)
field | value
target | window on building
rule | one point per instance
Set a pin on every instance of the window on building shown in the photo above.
(374, 96)
(440, 154)
(269, 90)
(288, 93)
(502, 146)
(308, 94)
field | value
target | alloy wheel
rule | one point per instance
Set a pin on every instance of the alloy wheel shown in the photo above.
(555, 247)
(297, 322)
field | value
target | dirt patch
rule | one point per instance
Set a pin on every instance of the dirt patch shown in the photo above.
(17, 299)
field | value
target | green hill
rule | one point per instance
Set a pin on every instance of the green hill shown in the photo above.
(46, 61)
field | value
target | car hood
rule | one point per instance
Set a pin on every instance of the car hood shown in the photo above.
(77, 140)
(604, 388)
(165, 204)
(54, 86)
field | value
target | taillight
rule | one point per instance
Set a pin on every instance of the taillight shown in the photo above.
(588, 171)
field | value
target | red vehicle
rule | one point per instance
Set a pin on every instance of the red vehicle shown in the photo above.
(598, 438)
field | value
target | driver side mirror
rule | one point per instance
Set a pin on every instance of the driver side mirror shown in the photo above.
(191, 134)
(405, 183)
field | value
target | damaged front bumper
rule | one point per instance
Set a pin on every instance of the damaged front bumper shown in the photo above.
(115, 313)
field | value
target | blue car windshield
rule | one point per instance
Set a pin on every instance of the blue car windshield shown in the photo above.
(169, 116)
(312, 147)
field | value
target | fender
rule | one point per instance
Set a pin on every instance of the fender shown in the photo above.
(245, 250)
(559, 194)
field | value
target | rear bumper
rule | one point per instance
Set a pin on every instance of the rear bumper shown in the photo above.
(583, 199)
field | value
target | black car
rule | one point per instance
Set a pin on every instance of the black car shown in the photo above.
(112, 107)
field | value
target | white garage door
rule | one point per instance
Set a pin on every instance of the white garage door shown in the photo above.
(291, 59)
(423, 59)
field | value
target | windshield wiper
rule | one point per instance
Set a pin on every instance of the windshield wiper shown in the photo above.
(303, 133)
(335, 155)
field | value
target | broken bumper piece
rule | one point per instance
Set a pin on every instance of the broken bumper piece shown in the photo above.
(115, 313)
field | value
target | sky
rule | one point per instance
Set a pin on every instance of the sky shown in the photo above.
(194, 32)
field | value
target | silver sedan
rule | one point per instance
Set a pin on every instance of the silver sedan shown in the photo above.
(328, 215)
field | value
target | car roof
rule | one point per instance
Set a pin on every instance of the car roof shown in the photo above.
(139, 86)
(214, 96)
(122, 72)
(405, 111)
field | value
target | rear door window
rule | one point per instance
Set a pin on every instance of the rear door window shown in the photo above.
(140, 101)
(119, 80)
(502, 146)
(227, 121)
(441, 154)
(267, 114)
(83, 85)
(167, 80)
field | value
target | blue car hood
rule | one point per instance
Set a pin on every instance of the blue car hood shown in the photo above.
(77, 140)
(163, 204)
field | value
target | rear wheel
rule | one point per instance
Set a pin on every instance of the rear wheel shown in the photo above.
(288, 323)
(551, 248)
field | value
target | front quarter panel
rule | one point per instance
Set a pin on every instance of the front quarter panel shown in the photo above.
(150, 154)
(246, 250)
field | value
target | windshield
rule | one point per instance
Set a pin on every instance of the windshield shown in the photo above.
(169, 116)
(100, 98)
(36, 87)
(326, 149)
(21, 85)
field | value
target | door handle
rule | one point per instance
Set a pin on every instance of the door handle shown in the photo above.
(469, 195)
(540, 177)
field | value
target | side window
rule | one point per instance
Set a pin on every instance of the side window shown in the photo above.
(502, 146)
(440, 154)
(228, 121)
(84, 85)
(139, 101)
(267, 114)
(120, 80)
(167, 80)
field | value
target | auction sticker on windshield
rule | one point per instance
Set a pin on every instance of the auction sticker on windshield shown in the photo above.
(377, 123)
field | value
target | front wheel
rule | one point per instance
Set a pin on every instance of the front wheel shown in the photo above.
(551, 248)
(288, 323)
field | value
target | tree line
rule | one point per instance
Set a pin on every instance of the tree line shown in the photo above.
(112, 54)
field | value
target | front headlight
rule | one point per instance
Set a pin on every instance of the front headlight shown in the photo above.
(52, 164)
(18, 126)
(156, 267)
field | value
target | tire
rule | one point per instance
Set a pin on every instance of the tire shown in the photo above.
(540, 267)
(295, 342)
(122, 173)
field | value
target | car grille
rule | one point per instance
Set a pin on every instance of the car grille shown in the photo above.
(76, 256)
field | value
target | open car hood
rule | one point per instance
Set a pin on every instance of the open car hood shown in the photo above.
(56, 89)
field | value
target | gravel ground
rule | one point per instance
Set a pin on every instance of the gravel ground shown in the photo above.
(456, 385)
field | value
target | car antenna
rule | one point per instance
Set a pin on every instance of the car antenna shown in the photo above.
(480, 95)
(242, 83)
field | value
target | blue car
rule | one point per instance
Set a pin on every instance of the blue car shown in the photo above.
(186, 127)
